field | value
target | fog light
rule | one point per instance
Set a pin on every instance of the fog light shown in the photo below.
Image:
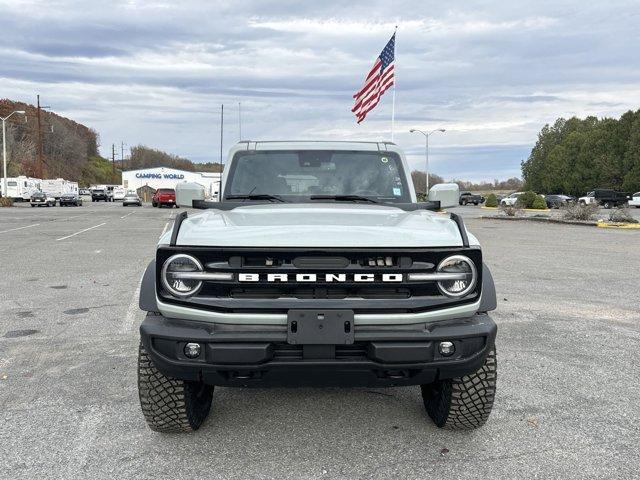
(192, 350)
(446, 349)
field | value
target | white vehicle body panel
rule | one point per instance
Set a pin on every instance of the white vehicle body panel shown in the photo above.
(21, 187)
(319, 225)
(511, 199)
(635, 200)
(58, 187)
(448, 194)
(119, 193)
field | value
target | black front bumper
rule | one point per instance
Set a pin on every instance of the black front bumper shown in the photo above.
(261, 356)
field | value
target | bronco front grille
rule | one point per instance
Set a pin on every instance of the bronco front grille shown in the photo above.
(341, 290)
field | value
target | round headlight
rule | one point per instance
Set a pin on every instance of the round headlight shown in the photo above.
(174, 282)
(457, 264)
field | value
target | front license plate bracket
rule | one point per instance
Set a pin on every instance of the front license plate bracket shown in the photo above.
(320, 327)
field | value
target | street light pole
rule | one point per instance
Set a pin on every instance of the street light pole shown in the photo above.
(426, 152)
(4, 150)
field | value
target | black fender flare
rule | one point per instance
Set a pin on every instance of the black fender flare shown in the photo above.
(148, 301)
(488, 300)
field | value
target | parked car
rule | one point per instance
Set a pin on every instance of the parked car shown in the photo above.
(131, 198)
(70, 199)
(510, 199)
(468, 197)
(84, 192)
(40, 199)
(557, 201)
(635, 200)
(119, 194)
(605, 197)
(98, 194)
(164, 196)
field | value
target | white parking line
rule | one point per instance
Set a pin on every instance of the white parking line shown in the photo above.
(134, 314)
(20, 228)
(130, 213)
(166, 225)
(81, 231)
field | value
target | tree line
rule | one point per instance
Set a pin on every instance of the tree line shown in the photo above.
(574, 156)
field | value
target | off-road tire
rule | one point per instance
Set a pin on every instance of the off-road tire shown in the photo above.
(463, 403)
(169, 404)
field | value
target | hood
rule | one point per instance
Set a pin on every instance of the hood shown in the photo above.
(318, 225)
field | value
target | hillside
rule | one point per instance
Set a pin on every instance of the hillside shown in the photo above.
(66, 145)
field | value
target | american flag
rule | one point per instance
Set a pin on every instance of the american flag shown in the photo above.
(378, 81)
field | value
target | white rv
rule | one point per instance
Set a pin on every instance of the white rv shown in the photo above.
(20, 188)
(58, 187)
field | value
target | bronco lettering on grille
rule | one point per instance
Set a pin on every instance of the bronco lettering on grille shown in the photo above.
(320, 278)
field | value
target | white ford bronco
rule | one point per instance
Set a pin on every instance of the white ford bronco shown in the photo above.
(317, 267)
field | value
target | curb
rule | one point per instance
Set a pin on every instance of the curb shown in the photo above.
(628, 226)
(542, 220)
(524, 209)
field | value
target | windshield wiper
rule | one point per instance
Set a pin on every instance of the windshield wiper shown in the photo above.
(343, 198)
(255, 196)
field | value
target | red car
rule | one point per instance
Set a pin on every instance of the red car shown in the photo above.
(164, 196)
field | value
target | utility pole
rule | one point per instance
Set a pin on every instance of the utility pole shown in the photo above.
(40, 167)
(122, 155)
(239, 122)
(113, 158)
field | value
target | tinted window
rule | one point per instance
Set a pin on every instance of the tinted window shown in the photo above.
(301, 174)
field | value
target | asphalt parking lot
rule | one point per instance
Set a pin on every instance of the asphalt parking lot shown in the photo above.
(568, 367)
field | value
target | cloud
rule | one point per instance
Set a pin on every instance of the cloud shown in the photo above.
(491, 72)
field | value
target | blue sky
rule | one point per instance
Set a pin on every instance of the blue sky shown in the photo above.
(491, 73)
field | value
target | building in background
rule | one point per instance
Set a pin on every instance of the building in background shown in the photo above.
(151, 179)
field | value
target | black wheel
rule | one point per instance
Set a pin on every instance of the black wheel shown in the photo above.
(463, 403)
(607, 205)
(168, 404)
(32, 205)
(475, 203)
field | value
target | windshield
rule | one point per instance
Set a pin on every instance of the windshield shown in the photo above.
(299, 175)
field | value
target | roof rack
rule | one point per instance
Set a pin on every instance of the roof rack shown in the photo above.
(176, 228)
(463, 231)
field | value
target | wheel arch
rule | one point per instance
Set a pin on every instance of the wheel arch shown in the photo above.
(148, 301)
(488, 300)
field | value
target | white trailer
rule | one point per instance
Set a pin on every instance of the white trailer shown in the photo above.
(58, 187)
(21, 187)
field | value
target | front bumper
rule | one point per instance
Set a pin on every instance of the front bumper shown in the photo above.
(260, 355)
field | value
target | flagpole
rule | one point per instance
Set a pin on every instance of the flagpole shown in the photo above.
(395, 77)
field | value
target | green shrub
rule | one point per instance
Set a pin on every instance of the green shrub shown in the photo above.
(491, 201)
(6, 202)
(539, 203)
(526, 199)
